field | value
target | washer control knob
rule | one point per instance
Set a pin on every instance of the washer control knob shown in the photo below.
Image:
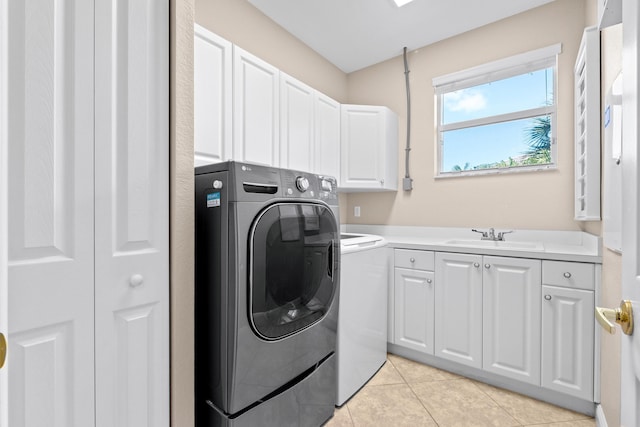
(302, 183)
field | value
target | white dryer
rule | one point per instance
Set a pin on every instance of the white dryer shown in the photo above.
(362, 324)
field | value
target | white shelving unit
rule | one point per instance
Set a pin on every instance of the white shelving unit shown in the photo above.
(587, 127)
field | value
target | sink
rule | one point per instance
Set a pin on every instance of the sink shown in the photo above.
(523, 246)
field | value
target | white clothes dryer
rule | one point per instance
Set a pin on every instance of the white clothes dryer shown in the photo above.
(362, 320)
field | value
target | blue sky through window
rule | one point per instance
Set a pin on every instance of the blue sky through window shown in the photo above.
(494, 142)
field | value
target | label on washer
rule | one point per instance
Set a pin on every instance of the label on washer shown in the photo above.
(213, 200)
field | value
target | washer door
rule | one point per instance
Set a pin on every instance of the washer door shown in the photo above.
(293, 260)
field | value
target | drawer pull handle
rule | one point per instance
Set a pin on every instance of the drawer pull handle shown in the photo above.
(476, 264)
(487, 266)
(429, 281)
(547, 297)
(567, 275)
(412, 260)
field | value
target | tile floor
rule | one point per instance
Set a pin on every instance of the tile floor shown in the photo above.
(406, 393)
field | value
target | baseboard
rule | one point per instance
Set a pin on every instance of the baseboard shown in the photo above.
(601, 420)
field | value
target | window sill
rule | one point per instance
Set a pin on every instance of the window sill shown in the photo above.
(496, 171)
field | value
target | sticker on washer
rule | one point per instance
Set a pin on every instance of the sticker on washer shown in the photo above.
(213, 200)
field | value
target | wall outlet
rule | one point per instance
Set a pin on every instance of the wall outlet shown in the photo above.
(356, 211)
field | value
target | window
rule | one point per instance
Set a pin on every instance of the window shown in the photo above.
(499, 116)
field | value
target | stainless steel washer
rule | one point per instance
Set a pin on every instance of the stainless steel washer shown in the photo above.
(267, 285)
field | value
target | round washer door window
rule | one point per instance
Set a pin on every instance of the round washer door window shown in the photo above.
(293, 268)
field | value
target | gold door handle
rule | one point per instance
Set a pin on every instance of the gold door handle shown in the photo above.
(622, 316)
(3, 350)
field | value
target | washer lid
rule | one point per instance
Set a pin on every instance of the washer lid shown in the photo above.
(352, 242)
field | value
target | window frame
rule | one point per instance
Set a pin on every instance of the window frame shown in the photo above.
(512, 66)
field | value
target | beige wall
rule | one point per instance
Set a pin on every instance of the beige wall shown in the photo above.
(541, 200)
(611, 60)
(181, 211)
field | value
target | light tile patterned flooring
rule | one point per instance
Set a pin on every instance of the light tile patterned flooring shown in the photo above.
(407, 393)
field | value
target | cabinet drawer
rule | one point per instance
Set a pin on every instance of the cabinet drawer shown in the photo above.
(568, 274)
(419, 260)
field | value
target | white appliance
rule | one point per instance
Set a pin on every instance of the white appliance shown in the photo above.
(362, 324)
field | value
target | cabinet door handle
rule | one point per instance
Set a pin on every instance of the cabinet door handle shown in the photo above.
(567, 275)
(412, 260)
(487, 266)
(429, 281)
(547, 297)
(476, 264)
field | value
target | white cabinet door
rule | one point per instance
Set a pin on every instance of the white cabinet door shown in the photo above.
(212, 102)
(567, 341)
(131, 199)
(256, 118)
(327, 136)
(458, 308)
(369, 153)
(511, 317)
(414, 304)
(296, 124)
(48, 58)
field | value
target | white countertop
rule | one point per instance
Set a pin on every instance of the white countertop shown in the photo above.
(538, 244)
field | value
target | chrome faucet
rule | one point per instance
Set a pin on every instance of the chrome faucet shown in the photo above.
(491, 234)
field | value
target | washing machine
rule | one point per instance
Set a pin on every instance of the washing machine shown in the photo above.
(267, 274)
(362, 329)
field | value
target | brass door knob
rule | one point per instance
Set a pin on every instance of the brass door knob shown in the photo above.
(622, 316)
(3, 350)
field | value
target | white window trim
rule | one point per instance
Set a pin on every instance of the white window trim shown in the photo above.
(504, 68)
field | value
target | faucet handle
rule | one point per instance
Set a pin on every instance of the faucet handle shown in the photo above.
(502, 233)
(484, 233)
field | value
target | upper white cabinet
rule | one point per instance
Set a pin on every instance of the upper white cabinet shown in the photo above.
(327, 135)
(296, 124)
(369, 151)
(511, 317)
(256, 110)
(587, 127)
(212, 91)
(458, 308)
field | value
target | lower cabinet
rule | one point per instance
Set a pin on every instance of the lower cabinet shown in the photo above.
(529, 320)
(511, 317)
(567, 341)
(413, 299)
(458, 308)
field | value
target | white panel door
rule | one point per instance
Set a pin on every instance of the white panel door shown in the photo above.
(131, 187)
(458, 308)
(630, 359)
(4, 203)
(296, 124)
(414, 304)
(511, 317)
(327, 136)
(212, 102)
(256, 110)
(49, 61)
(567, 341)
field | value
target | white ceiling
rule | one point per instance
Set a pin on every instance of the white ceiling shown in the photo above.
(354, 34)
